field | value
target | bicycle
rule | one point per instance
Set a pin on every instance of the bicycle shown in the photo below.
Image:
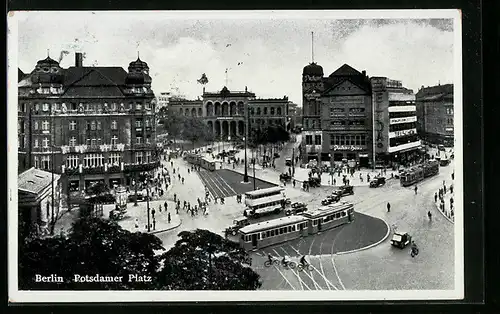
(291, 265)
(307, 266)
(268, 263)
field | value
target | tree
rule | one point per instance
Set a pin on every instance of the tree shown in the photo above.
(204, 260)
(195, 130)
(94, 246)
(174, 124)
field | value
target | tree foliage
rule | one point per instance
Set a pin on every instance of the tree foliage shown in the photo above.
(203, 260)
(199, 260)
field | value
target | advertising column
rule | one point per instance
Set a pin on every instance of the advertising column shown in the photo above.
(380, 119)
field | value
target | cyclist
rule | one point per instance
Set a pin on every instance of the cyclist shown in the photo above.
(303, 261)
(414, 247)
(285, 261)
(270, 258)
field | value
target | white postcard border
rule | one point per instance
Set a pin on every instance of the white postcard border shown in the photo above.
(192, 296)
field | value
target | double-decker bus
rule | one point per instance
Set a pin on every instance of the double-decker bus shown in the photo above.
(267, 233)
(265, 201)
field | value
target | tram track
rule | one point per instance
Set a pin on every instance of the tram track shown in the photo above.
(316, 285)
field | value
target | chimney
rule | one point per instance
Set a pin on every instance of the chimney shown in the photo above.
(78, 60)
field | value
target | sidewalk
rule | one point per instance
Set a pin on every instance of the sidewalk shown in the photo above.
(302, 174)
(444, 206)
(139, 212)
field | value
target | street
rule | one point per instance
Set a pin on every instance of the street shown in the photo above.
(339, 257)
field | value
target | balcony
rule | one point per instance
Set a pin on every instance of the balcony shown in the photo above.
(407, 146)
(141, 167)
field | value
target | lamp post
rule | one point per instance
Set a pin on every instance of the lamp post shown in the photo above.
(146, 183)
(245, 139)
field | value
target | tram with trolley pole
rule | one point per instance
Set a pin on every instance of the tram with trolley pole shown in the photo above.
(204, 162)
(271, 232)
(419, 173)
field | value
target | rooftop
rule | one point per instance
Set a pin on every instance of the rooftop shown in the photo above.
(35, 180)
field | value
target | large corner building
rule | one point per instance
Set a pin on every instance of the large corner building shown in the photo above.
(87, 123)
(348, 116)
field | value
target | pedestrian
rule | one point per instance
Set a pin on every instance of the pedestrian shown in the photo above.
(435, 197)
(215, 199)
(154, 223)
(444, 189)
(185, 205)
(136, 223)
(174, 171)
(222, 200)
(293, 182)
(177, 210)
(451, 189)
(416, 188)
(388, 207)
(453, 175)
(334, 181)
(168, 218)
(182, 180)
(159, 208)
(188, 171)
(179, 176)
(153, 212)
(166, 206)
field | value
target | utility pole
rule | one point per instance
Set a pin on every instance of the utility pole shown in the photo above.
(147, 201)
(52, 146)
(293, 161)
(247, 126)
(30, 136)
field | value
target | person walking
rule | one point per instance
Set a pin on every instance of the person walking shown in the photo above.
(168, 218)
(182, 180)
(293, 182)
(416, 189)
(388, 207)
(435, 197)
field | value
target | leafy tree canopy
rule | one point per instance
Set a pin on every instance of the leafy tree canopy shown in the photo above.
(203, 260)
(199, 260)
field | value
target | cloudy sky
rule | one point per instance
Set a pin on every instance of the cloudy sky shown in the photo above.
(265, 54)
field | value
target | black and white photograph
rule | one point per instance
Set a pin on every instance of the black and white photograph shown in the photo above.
(235, 155)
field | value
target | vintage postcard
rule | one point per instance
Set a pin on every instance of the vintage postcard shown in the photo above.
(258, 155)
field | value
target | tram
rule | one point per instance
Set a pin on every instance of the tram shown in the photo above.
(271, 232)
(419, 173)
(203, 162)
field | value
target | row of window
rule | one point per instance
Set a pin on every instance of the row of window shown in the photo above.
(259, 111)
(402, 126)
(114, 141)
(42, 162)
(87, 107)
(330, 217)
(345, 139)
(97, 160)
(317, 140)
(347, 122)
(91, 125)
(403, 140)
(276, 232)
(45, 142)
(268, 204)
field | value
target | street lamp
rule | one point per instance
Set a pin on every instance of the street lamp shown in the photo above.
(245, 139)
(146, 183)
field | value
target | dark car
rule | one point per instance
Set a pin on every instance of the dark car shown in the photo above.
(238, 223)
(314, 182)
(330, 199)
(378, 181)
(400, 239)
(285, 177)
(288, 162)
(296, 208)
(344, 190)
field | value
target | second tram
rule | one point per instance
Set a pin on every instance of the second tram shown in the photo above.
(267, 233)
(419, 173)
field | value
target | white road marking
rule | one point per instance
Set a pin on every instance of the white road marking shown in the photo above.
(336, 273)
(226, 183)
(214, 185)
(216, 180)
(322, 275)
(304, 271)
(298, 277)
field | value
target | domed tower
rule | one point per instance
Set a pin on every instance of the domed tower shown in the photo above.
(48, 72)
(138, 73)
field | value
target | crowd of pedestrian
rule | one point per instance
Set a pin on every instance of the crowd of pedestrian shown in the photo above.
(444, 202)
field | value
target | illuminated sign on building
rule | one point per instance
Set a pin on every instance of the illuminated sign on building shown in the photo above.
(402, 133)
(403, 120)
(347, 147)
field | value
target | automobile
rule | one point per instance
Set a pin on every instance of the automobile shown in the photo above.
(344, 190)
(400, 239)
(314, 182)
(376, 182)
(288, 162)
(330, 199)
(444, 162)
(296, 208)
(209, 150)
(285, 177)
(238, 223)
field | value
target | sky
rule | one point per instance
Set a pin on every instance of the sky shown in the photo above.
(262, 52)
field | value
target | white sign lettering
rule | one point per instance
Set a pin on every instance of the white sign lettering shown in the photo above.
(347, 147)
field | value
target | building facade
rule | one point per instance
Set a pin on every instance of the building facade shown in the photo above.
(224, 112)
(87, 123)
(395, 122)
(336, 115)
(435, 114)
(39, 197)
